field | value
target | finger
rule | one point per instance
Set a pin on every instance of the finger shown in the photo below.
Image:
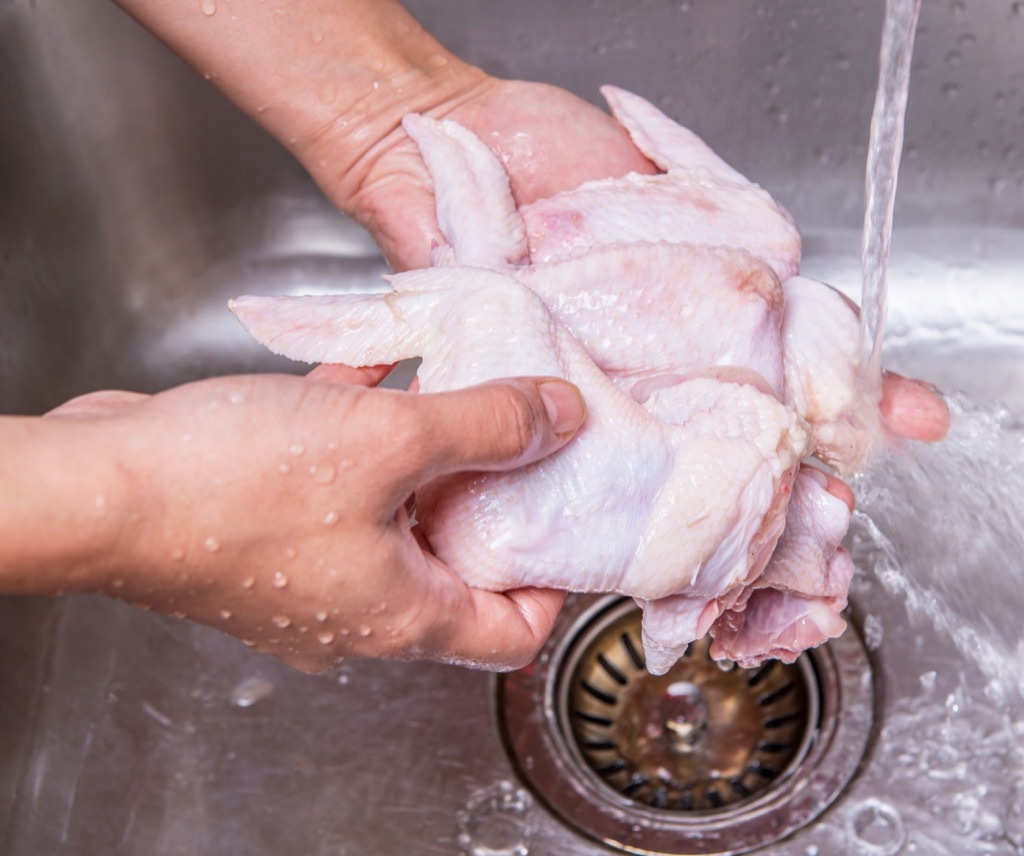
(502, 632)
(839, 489)
(102, 403)
(499, 425)
(337, 373)
(913, 409)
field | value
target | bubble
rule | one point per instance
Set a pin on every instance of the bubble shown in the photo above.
(209, 7)
(296, 450)
(325, 637)
(321, 616)
(280, 580)
(284, 469)
(318, 35)
(365, 631)
(117, 583)
(225, 614)
(248, 582)
(281, 621)
(211, 544)
(330, 518)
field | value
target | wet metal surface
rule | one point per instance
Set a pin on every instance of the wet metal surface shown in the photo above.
(136, 201)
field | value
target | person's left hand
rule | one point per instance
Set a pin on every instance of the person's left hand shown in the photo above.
(276, 508)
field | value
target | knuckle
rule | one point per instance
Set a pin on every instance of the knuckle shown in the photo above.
(516, 420)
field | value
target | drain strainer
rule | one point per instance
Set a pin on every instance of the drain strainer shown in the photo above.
(705, 759)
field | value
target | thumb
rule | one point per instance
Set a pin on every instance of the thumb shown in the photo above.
(500, 425)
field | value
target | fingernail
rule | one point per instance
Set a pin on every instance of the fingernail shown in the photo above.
(564, 404)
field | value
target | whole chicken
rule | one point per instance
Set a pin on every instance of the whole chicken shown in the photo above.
(659, 296)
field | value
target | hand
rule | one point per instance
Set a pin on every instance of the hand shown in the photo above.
(548, 139)
(276, 508)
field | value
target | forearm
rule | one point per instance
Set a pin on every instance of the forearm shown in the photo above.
(57, 507)
(329, 78)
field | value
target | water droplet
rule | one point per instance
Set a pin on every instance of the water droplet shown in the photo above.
(325, 637)
(879, 826)
(211, 544)
(225, 614)
(296, 450)
(496, 822)
(281, 621)
(248, 643)
(250, 691)
(262, 108)
(177, 554)
(318, 35)
(365, 631)
(248, 582)
(290, 552)
(873, 632)
(178, 614)
(321, 616)
(280, 580)
(209, 7)
(284, 469)
(343, 678)
(323, 474)
(330, 518)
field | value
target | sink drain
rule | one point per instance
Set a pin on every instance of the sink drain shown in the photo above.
(705, 759)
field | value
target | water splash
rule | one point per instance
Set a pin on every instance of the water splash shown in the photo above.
(886, 144)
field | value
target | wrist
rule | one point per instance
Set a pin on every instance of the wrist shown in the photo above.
(59, 515)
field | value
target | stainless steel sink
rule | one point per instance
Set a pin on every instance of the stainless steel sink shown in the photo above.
(136, 201)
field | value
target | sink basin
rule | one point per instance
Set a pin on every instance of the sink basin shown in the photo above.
(137, 201)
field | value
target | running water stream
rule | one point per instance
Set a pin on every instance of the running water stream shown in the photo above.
(938, 539)
(884, 149)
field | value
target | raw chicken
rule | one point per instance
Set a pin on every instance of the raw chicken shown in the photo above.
(632, 305)
(695, 507)
(699, 199)
(659, 297)
(786, 609)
